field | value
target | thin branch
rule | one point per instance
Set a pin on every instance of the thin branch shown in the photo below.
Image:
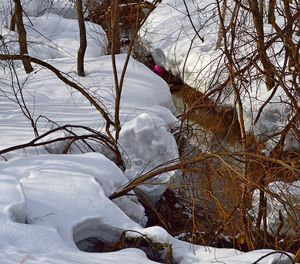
(191, 21)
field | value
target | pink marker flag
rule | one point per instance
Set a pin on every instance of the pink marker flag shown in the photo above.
(159, 70)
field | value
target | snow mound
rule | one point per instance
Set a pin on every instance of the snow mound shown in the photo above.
(147, 144)
(50, 179)
(63, 8)
(172, 41)
(47, 96)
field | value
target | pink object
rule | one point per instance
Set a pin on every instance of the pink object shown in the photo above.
(159, 70)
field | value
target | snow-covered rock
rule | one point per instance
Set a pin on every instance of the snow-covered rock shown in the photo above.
(147, 144)
(62, 199)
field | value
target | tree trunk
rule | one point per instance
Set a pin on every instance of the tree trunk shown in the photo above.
(12, 25)
(115, 27)
(271, 11)
(83, 42)
(22, 35)
(221, 23)
(268, 68)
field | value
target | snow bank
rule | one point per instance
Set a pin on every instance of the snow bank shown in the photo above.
(187, 253)
(48, 96)
(35, 8)
(63, 8)
(47, 180)
(63, 199)
(12, 200)
(274, 117)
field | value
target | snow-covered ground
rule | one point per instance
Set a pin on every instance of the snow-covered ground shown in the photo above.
(49, 202)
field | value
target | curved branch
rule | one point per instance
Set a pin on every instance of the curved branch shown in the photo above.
(177, 165)
(35, 143)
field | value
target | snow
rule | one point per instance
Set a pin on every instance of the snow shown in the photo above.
(12, 205)
(49, 202)
(48, 180)
(35, 8)
(185, 253)
(66, 201)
